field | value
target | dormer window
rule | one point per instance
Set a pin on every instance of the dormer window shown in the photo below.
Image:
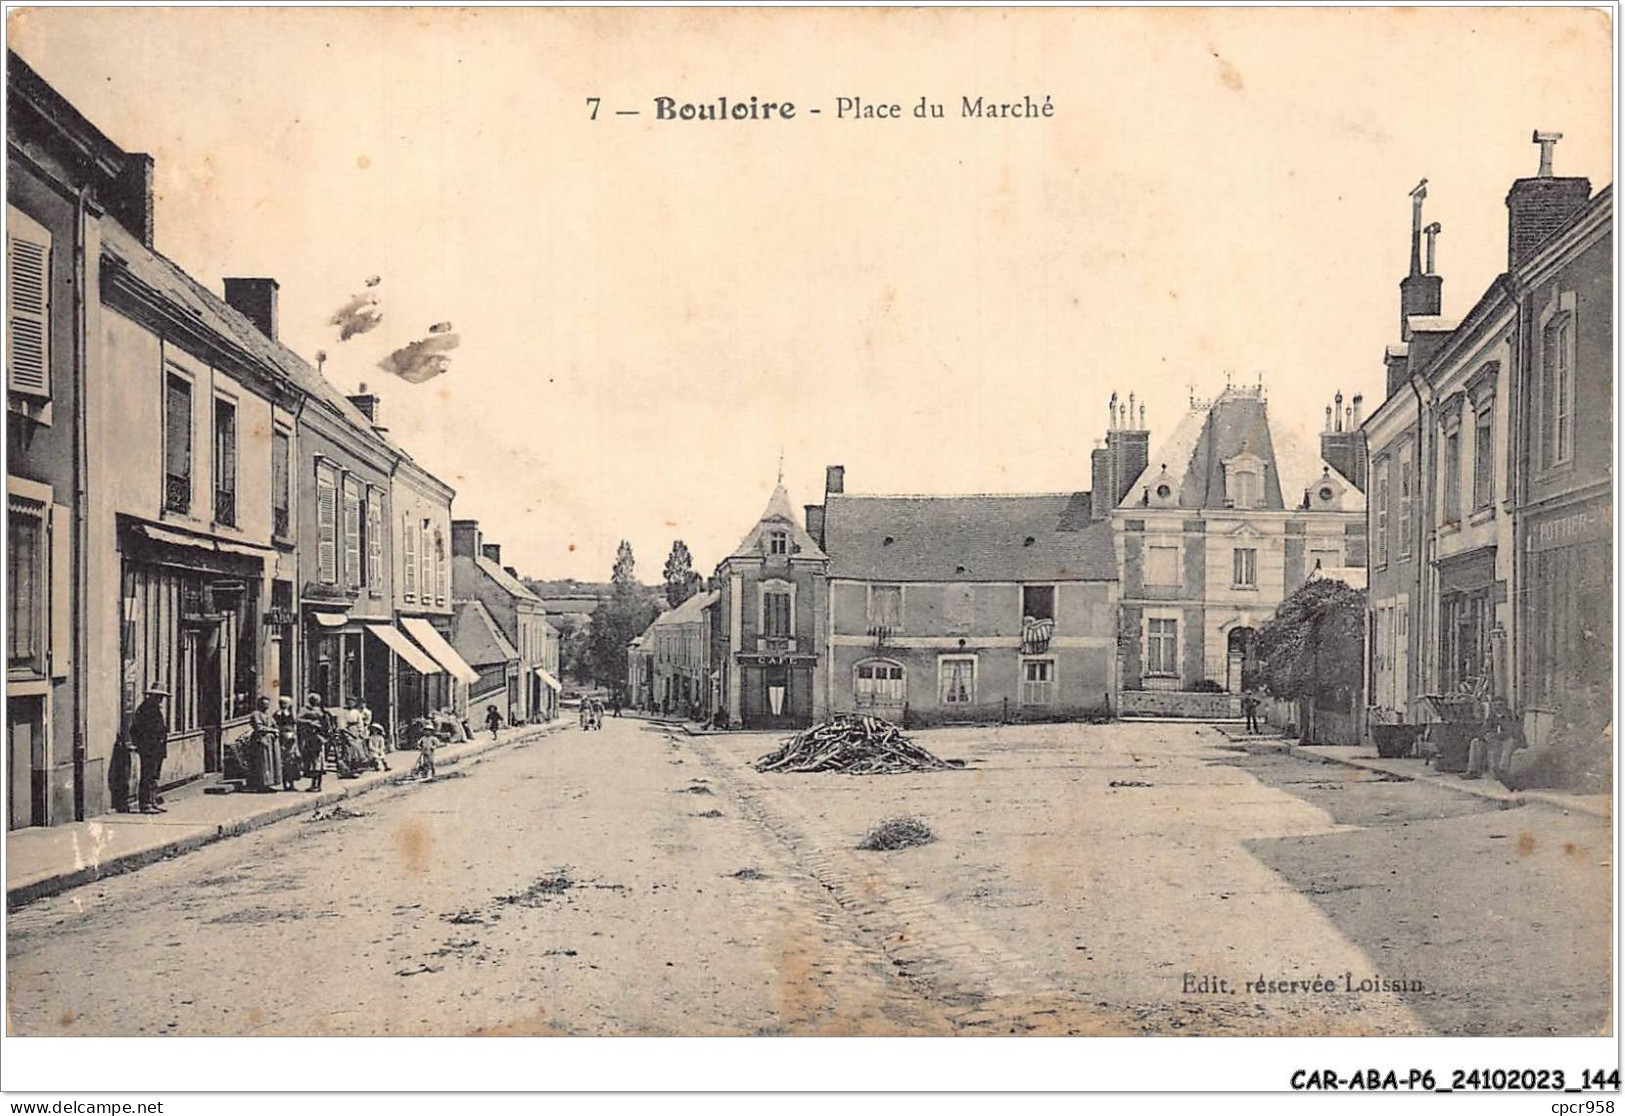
(1161, 492)
(1244, 479)
(778, 542)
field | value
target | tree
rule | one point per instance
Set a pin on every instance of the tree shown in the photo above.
(617, 621)
(681, 580)
(625, 575)
(573, 656)
(1313, 649)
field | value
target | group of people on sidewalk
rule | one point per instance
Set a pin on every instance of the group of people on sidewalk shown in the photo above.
(282, 746)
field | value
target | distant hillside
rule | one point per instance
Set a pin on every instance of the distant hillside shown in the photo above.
(584, 595)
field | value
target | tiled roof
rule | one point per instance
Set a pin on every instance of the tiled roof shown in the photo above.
(968, 538)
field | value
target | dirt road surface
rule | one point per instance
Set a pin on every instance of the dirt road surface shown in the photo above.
(1084, 880)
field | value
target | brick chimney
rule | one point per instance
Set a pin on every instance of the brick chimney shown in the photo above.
(492, 551)
(1342, 446)
(1100, 481)
(367, 403)
(132, 205)
(465, 538)
(1537, 207)
(1421, 293)
(254, 299)
(835, 480)
(815, 522)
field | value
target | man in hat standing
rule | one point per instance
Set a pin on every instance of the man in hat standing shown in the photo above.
(149, 733)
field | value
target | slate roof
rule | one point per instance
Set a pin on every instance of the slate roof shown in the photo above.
(686, 613)
(778, 512)
(172, 282)
(1211, 434)
(968, 538)
(510, 584)
(477, 637)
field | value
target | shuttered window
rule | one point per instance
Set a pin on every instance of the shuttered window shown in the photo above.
(352, 531)
(425, 563)
(28, 306)
(375, 538)
(776, 615)
(439, 567)
(327, 525)
(409, 561)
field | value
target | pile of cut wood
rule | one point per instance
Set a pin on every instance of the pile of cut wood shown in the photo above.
(853, 744)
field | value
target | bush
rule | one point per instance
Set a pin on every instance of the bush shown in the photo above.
(1207, 686)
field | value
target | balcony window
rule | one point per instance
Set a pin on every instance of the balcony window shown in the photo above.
(177, 444)
(225, 462)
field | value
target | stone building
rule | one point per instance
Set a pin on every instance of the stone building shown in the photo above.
(952, 608)
(1230, 515)
(1491, 459)
(478, 574)
(772, 608)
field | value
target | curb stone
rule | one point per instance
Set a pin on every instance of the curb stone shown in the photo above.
(43, 888)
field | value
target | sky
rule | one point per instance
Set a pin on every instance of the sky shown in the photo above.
(652, 312)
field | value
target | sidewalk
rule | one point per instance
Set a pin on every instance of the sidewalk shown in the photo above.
(1366, 759)
(50, 860)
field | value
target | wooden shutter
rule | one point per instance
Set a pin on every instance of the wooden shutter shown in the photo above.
(375, 538)
(409, 563)
(352, 532)
(327, 518)
(28, 308)
(61, 607)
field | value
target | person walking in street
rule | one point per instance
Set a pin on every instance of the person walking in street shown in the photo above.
(493, 720)
(316, 727)
(262, 748)
(287, 734)
(378, 747)
(149, 733)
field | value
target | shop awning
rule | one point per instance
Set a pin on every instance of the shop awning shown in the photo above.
(442, 652)
(548, 680)
(200, 542)
(392, 638)
(330, 619)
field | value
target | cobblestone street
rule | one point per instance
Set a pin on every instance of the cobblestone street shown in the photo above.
(642, 881)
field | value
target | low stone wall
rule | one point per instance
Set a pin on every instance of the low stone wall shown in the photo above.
(1179, 703)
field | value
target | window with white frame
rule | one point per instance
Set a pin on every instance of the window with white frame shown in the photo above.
(885, 607)
(25, 585)
(878, 682)
(956, 680)
(1162, 564)
(1038, 681)
(1162, 646)
(28, 306)
(1244, 567)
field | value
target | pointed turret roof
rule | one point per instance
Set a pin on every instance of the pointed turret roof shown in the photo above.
(779, 513)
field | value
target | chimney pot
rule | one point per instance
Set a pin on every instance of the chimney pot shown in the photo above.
(255, 299)
(835, 480)
(367, 403)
